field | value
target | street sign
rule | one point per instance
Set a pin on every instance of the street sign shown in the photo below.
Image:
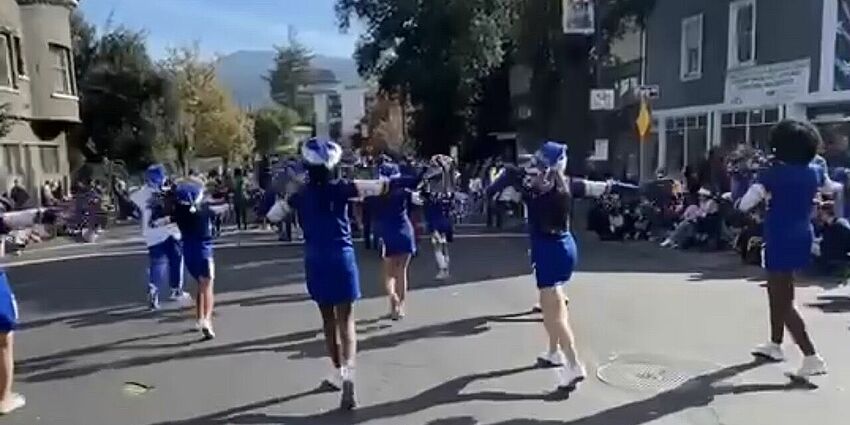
(650, 92)
(578, 17)
(644, 120)
(602, 99)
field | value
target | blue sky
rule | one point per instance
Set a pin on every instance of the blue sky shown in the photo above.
(224, 26)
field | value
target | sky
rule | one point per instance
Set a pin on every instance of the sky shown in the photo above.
(225, 26)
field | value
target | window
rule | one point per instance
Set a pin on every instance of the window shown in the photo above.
(64, 79)
(6, 75)
(20, 66)
(748, 127)
(742, 33)
(691, 61)
(49, 159)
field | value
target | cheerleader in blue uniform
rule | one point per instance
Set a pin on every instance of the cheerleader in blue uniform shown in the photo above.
(548, 194)
(438, 200)
(397, 236)
(9, 400)
(789, 187)
(194, 216)
(162, 239)
(330, 264)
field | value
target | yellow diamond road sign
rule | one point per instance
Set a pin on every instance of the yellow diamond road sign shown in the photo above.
(644, 120)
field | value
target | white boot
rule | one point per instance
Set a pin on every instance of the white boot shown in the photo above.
(812, 366)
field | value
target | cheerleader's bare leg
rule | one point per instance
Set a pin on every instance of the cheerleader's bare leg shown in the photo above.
(561, 337)
(389, 271)
(441, 254)
(402, 263)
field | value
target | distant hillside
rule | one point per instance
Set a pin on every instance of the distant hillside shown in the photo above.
(241, 72)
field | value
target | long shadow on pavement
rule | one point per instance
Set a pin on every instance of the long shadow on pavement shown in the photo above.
(303, 344)
(697, 392)
(831, 304)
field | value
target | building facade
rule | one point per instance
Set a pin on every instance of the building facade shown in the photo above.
(38, 87)
(337, 109)
(728, 70)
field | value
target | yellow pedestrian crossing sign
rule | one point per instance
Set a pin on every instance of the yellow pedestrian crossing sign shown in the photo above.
(644, 120)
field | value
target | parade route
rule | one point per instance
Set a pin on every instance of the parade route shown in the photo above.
(665, 336)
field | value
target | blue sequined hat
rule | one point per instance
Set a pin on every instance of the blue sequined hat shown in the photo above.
(190, 192)
(321, 152)
(552, 155)
(155, 175)
(388, 170)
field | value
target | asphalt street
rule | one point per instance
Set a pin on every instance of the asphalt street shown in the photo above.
(665, 335)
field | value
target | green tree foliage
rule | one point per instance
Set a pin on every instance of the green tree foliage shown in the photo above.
(290, 72)
(205, 122)
(118, 82)
(273, 127)
(434, 53)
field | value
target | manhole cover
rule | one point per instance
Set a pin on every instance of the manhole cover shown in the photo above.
(649, 372)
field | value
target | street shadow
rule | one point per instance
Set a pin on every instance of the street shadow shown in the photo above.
(696, 392)
(831, 304)
(109, 316)
(303, 344)
(450, 392)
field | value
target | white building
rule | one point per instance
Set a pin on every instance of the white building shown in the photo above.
(337, 108)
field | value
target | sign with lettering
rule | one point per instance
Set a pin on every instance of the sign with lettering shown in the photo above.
(768, 84)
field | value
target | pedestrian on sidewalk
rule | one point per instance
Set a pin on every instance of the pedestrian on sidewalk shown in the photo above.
(240, 199)
(548, 194)
(162, 238)
(330, 263)
(9, 401)
(791, 184)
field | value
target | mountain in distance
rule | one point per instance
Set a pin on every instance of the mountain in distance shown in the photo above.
(242, 74)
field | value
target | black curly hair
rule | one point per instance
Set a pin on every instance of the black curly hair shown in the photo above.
(794, 142)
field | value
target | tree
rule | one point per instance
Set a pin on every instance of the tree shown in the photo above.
(291, 71)
(205, 120)
(117, 83)
(273, 127)
(563, 66)
(434, 54)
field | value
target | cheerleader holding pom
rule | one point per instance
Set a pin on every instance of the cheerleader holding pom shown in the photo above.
(548, 194)
(438, 200)
(789, 186)
(332, 275)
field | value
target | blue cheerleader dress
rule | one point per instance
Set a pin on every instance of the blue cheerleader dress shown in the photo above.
(554, 254)
(788, 232)
(393, 222)
(8, 306)
(330, 264)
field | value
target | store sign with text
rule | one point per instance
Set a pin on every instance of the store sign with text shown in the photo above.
(768, 84)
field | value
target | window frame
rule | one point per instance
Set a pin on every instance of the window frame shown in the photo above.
(732, 58)
(11, 84)
(68, 72)
(20, 59)
(684, 73)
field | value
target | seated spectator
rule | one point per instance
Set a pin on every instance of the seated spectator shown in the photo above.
(686, 230)
(749, 241)
(834, 241)
(19, 195)
(710, 223)
(47, 198)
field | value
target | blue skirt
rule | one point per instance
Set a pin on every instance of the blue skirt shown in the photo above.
(787, 253)
(399, 241)
(333, 278)
(8, 306)
(553, 259)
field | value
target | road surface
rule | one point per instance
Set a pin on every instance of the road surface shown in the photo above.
(665, 335)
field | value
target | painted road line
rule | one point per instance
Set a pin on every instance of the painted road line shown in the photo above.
(229, 245)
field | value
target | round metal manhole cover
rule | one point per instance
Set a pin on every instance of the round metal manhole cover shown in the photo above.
(650, 373)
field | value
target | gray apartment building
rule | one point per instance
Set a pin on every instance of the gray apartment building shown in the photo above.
(730, 69)
(37, 84)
